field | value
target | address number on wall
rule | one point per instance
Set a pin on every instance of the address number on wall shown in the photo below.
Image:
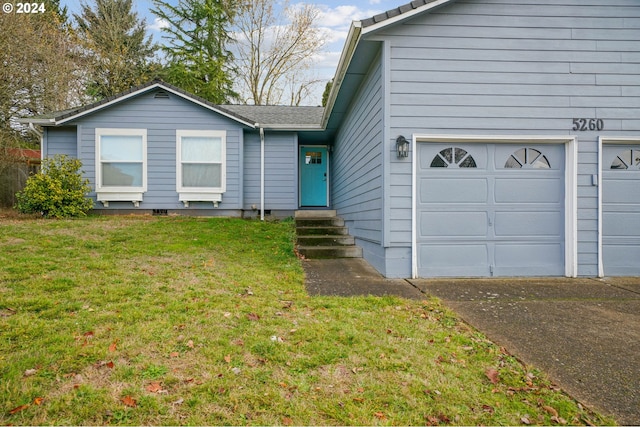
(588, 124)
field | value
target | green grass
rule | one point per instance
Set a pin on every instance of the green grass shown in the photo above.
(173, 321)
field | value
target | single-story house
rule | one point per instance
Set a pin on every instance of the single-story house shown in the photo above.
(460, 138)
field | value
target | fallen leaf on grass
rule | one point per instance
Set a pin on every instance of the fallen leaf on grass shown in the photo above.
(488, 408)
(190, 344)
(129, 401)
(380, 415)
(525, 420)
(227, 358)
(154, 387)
(18, 409)
(550, 410)
(38, 401)
(253, 316)
(492, 374)
(114, 346)
(558, 420)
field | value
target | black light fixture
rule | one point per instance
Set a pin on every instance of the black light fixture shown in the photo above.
(402, 147)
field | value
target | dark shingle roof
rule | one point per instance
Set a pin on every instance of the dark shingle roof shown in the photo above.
(278, 115)
(392, 13)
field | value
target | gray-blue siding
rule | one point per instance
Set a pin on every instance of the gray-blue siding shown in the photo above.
(60, 140)
(357, 170)
(280, 171)
(162, 117)
(509, 67)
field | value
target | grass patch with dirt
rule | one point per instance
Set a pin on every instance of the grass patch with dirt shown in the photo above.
(173, 321)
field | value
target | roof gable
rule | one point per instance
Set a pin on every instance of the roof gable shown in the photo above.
(61, 117)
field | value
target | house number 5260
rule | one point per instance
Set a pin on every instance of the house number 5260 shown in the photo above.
(588, 124)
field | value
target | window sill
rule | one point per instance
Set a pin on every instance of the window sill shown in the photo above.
(133, 197)
(185, 198)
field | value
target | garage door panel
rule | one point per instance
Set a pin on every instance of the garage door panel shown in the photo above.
(528, 190)
(527, 259)
(453, 224)
(622, 191)
(453, 260)
(458, 190)
(622, 259)
(621, 224)
(528, 224)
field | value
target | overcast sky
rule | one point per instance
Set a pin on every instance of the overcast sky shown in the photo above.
(336, 16)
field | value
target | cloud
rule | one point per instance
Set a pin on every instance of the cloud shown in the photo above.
(159, 24)
(340, 17)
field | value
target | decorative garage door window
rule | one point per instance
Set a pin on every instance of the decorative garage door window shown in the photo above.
(627, 160)
(527, 158)
(453, 157)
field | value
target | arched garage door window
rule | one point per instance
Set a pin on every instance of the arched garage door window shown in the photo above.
(453, 157)
(627, 159)
(527, 158)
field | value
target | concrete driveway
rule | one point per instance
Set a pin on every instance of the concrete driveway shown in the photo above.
(584, 333)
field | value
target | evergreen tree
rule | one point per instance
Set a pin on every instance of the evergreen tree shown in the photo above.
(198, 60)
(119, 52)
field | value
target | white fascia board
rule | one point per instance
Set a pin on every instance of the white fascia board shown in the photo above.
(403, 16)
(292, 127)
(39, 122)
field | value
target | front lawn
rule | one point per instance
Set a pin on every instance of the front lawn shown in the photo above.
(174, 320)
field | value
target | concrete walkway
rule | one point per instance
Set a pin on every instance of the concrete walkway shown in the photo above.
(584, 333)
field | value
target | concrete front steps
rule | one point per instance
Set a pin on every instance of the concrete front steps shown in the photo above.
(321, 234)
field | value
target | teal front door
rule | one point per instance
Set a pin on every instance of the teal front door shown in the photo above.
(314, 175)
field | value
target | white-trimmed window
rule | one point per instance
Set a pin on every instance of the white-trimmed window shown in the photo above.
(121, 165)
(201, 165)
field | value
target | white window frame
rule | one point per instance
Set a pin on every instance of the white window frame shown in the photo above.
(120, 194)
(201, 194)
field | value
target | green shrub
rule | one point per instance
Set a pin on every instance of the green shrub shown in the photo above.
(58, 191)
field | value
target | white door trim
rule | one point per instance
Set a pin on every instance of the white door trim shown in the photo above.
(619, 140)
(570, 187)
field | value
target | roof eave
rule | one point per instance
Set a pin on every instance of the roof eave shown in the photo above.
(353, 37)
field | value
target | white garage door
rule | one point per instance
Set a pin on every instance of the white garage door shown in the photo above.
(621, 210)
(490, 210)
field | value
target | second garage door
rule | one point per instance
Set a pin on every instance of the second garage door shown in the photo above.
(621, 210)
(490, 210)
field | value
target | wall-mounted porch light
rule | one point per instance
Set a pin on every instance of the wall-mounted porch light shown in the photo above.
(402, 147)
